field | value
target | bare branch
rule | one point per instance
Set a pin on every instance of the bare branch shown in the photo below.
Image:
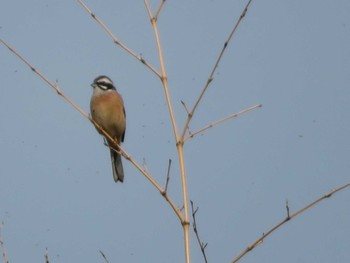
(117, 41)
(195, 229)
(191, 135)
(184, 104)
(159, 8)
(287, 208)
(55, 86)
(104, 256)
(167, 177)
(288, 218)
(211, 76)
(120, 149)
(179, 143)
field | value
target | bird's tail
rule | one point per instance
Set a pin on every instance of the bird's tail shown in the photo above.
(117, 167)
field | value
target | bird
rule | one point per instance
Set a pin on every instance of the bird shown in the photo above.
(107, 110)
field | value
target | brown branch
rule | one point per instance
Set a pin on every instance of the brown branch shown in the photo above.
(117, 41)
(54, 86)
(211, 76)
(288, 218)
(122, 151)
(195, 229)
(191, 135)
(179, 143)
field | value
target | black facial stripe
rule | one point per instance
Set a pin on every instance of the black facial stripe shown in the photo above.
(105, 85)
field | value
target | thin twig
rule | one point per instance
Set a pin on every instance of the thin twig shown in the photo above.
(104, 256)
(191, 135)
(195, 229)
(287, 208)
(184, 104)
(122, 151)
(55, 86)
(211, 76)
(167, 177)
(2, 245)
(117, 41)
(288, 218)
(159, 8)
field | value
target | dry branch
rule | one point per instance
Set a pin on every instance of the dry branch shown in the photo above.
(288, 218)
(179, 143)
(167, 177)
(117, 41)
(211, 76)
(191, 135)
(195, 229)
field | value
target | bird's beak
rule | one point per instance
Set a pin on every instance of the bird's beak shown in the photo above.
(93, 85)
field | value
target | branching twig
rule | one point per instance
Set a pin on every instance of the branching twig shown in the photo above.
(117, 41)
(122, 151)
(104, 256)
(2, 245)
(211, 76)
(288, 218)
(195, 229)
(191, 135)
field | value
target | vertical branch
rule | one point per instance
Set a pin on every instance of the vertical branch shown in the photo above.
(179, 143)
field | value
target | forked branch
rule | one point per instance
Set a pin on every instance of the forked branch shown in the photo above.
(288, 218)
(191, 135)
(179, 143)
(211, 76)
(117, 41)
(159, 9)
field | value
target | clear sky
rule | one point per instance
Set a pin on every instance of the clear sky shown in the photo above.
(56, 185)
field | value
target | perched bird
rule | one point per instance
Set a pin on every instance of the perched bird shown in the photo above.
(107, 110)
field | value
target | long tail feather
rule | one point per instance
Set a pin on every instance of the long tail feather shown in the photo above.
(117, 167)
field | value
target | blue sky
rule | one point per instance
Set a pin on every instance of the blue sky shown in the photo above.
(56, 185)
